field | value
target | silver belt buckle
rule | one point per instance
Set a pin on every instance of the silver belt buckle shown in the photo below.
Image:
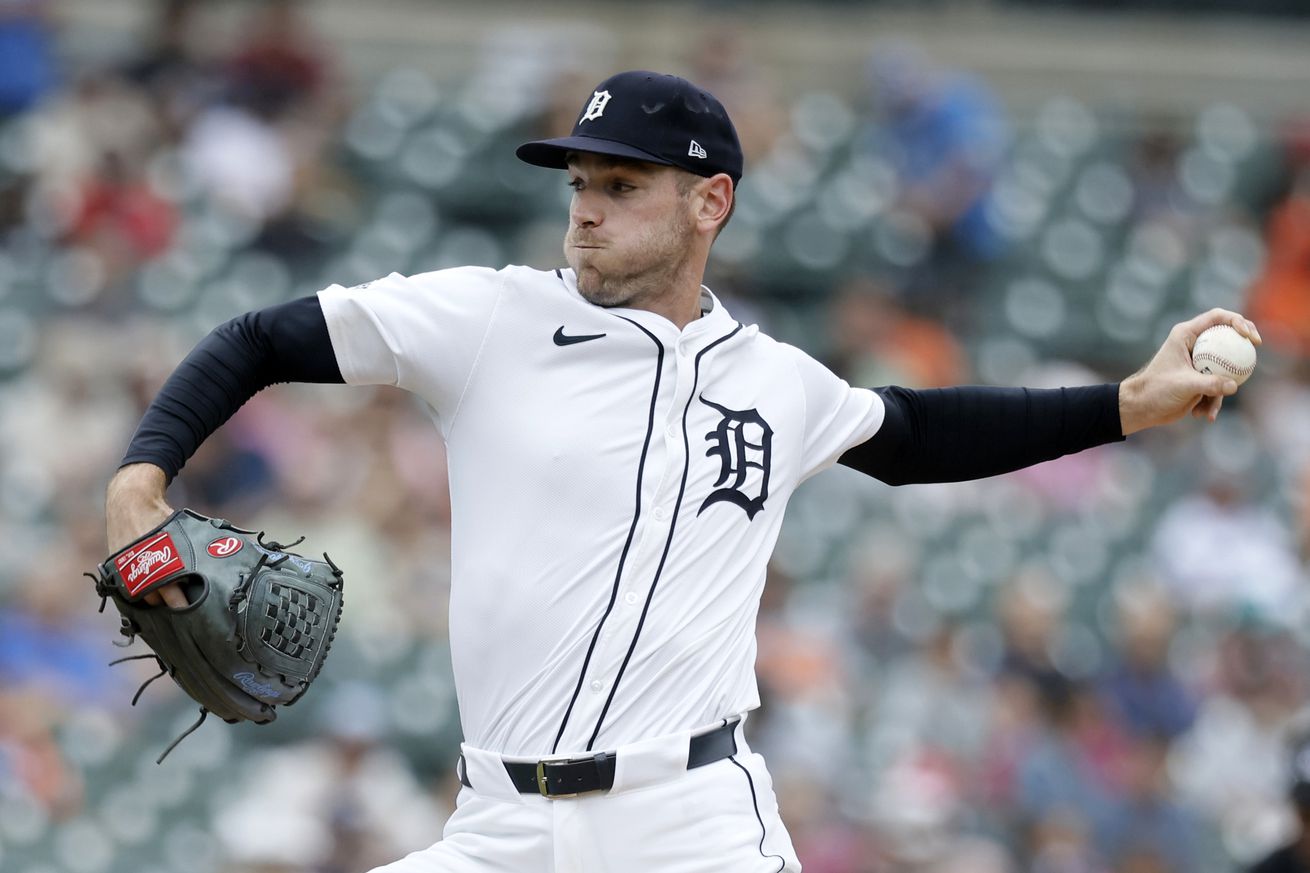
(541, 778)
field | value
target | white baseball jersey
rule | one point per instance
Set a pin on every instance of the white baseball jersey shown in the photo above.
(617, 487)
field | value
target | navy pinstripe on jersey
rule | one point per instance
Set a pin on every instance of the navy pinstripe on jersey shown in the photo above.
(627, 543)
(650, 594)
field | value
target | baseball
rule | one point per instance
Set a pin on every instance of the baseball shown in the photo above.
(1222, 351)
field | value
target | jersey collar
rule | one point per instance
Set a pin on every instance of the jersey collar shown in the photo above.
(714, 320)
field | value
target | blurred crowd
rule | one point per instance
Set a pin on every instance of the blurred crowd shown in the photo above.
(1096, 666)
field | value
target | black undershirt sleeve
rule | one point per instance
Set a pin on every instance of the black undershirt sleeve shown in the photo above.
(284, 343)
(955, 434)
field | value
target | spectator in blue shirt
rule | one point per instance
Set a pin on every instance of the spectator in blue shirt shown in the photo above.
(28, 68)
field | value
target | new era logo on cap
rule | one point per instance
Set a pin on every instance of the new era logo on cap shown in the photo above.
(648, 117)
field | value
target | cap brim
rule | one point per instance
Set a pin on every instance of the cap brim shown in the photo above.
(553, 153)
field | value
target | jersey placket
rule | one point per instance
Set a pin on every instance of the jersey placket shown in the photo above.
(621, 634)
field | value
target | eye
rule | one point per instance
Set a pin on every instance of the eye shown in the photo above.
(622, 187)
(575, 184)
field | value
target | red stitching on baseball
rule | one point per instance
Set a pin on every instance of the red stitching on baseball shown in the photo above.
(1224, 362)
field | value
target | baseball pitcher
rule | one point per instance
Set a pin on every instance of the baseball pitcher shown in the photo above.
(621, 452)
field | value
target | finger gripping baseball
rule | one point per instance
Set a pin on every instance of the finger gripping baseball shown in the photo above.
(258, 623)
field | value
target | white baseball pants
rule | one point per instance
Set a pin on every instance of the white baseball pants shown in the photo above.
(658, 818)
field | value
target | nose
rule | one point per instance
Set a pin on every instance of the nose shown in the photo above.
(584, 210)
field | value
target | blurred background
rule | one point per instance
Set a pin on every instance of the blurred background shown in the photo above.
(1095, 666)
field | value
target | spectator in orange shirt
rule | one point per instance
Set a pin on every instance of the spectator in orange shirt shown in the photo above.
(879, 343)
(1281, 298)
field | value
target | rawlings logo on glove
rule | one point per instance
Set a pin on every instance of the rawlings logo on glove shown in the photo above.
(257, 626)
(142, 565)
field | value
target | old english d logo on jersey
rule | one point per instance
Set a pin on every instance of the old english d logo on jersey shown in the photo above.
(743, 442)
(596, 108)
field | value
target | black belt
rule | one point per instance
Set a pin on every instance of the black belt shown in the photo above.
(566, 777)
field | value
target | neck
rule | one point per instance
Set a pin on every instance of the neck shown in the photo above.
(682, 309)
(677, 299)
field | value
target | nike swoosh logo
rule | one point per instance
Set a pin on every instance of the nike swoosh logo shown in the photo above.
(562, 340)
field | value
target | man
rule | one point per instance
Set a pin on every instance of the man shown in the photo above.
(621, 451)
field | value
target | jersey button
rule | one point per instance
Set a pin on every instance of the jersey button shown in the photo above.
(630, 598)
(660, 513)
(597, 685)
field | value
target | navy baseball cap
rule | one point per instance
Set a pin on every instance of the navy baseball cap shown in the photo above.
(651, 117)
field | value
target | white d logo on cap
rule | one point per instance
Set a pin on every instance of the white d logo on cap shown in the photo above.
(596, 108)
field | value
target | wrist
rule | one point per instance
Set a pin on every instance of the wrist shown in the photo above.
(136, 486)
(1131, 418)
(134, 503)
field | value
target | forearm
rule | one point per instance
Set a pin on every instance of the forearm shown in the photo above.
(286, 343)
(957, 434)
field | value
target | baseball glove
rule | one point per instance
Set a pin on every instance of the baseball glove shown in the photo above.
(258, 625)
